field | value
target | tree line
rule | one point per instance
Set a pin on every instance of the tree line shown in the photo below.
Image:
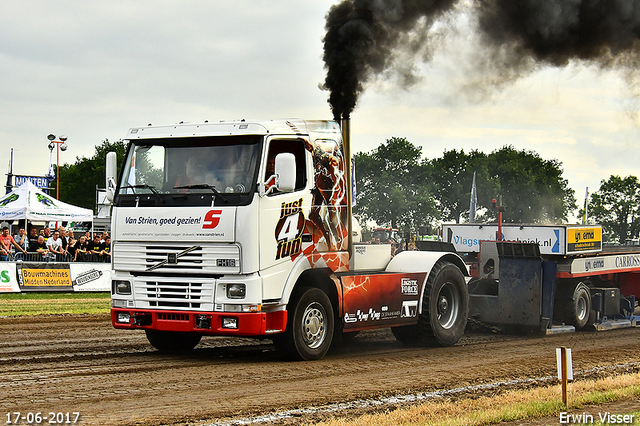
(397, 187)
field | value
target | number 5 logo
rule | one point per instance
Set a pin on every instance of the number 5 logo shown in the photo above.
(212, 219)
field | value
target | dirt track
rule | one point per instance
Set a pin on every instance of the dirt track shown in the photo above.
(81, 364)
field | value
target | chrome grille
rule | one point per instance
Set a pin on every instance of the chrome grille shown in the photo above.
(174, 293)
(177, 258)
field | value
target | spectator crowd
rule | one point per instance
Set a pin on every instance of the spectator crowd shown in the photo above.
(59, 245)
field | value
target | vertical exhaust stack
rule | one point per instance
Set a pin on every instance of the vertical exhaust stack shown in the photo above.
(346, 140)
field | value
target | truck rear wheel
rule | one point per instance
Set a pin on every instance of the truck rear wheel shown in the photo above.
(168, 341)
(408, 335)
(445, 305)
(573, 305)
(310, 326)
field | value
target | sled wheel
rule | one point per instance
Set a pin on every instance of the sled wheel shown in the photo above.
(445, 305)
(169, 341)
(310, 326)
(575, 307)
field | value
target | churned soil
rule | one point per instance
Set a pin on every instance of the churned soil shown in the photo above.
(80, 364)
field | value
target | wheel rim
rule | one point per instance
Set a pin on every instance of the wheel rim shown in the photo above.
(314, 327)
(581, 309)
(448, 305)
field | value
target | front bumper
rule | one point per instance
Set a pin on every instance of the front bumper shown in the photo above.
(252, 324)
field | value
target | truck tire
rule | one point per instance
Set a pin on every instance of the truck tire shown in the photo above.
(445, 305)
(573, 305)
(310, 326)
(168, 341)
(408, 335)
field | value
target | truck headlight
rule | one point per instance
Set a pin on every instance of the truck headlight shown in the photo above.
(236, 291)
(230, 322)
(121, 287)
(123, 318)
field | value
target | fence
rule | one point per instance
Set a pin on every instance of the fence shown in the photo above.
(50, 257)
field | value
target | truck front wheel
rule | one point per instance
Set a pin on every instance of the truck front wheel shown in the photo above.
(310, 326)
(445, 305)
(169, 341)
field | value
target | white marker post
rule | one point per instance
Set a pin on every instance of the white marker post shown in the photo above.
(565, 370)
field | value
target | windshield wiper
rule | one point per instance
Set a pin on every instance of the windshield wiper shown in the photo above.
(145, 186)
(204, 186)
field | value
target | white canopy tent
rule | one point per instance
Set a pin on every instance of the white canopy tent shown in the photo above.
(30, 203)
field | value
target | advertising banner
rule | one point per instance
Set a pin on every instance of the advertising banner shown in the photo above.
(552, 239)
(466, 238)
(211, 224)
(41, 182)
(44, 276)
(606, 264)
(16, 277)
(584, 239)
(8, 281)
(91, 276)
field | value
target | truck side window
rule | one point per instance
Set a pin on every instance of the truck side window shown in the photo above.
(297, 148)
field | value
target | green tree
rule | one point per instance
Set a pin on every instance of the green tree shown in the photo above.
(392, 186)
(616, 206)
(452, 177)
(532, 188)
(78, 181)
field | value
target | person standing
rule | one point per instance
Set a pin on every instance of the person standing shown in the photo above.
(39, 247)
(7, 241)
(22, 239)
(72, 248)
(106, 251)
(5, 251)
(54, 245)
(96, 248)
(33, 238)
(63, 237)
(81, 250)
(46, 233)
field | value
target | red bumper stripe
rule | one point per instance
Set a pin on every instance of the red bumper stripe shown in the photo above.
(249, 324)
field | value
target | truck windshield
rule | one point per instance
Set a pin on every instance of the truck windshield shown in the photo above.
(221, 165)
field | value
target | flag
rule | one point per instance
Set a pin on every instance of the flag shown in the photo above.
(50, 173)
(353, 182)
(474, 200)
(585, 216)
(10, 174)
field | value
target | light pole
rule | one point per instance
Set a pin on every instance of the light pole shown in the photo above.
(60, 144)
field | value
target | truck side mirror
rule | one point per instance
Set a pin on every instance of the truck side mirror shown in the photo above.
(110, 175)
(285, 170)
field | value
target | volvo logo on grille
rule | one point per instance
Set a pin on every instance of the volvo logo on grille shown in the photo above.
(172, 258)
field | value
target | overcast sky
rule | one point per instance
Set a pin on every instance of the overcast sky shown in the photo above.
(91, 70)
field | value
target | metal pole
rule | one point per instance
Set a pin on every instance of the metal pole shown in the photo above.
(346, 138)
(57, 171)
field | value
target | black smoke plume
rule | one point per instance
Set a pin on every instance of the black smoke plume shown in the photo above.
(362, 36)
(360, 41)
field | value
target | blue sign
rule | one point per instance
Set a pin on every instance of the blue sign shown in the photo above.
(39, 181)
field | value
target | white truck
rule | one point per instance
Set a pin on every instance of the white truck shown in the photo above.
(242, 228)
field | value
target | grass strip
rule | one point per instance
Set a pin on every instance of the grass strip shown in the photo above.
(36, 303)
(510, 406)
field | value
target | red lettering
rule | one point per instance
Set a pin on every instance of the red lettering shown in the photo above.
(213, 219)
